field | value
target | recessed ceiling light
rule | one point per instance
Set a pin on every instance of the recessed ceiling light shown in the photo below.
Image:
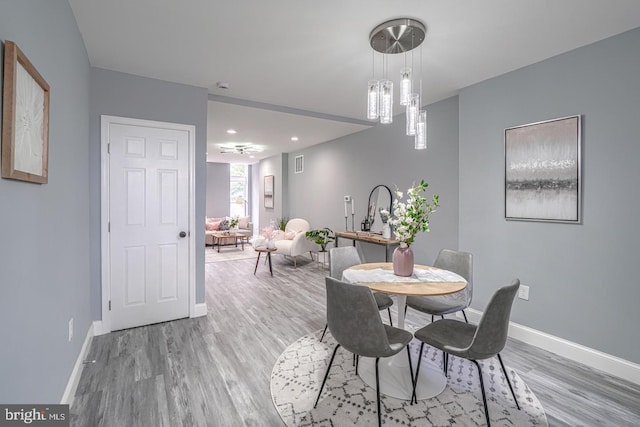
(222, 85)
(232, 131)
(294, 138)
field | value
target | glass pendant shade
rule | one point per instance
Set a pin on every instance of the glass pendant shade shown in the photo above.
(413, 108)
(405, 85)
(386, 101)
(373, 99)
(421, 131)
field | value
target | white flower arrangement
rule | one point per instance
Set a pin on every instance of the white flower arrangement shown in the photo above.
(412, 216)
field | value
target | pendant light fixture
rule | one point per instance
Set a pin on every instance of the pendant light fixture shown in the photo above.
(413, 107)
(405, 84)
(391, 37)
(373, 93)
(421, 131)
(373, 98)
(420, 142)
(386, 101)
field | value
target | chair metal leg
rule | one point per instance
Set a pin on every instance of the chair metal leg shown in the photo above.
(357, 362)
(445, 362)
(465, 316)
(415, 382)
(411, 371)
(432, 318)
(484, 397)
(326, 325)
(378, 393)
(389, 311)
(508, 381)
(326, 374)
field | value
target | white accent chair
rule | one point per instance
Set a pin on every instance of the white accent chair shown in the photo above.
(299, 244)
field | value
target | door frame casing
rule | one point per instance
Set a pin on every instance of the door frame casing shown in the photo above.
(105, 262)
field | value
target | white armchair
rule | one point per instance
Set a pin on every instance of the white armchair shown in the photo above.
(298, 244)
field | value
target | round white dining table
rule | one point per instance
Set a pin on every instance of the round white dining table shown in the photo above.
(395, 380)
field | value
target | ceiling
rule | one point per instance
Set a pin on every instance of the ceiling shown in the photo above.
(300, 68)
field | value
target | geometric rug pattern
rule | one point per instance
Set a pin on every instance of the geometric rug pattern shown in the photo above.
(346, 400)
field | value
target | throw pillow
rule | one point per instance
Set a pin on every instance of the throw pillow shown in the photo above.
(212, 226)
(243, 222)
(224, 225)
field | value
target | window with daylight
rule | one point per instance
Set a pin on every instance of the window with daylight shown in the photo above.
(238, 190)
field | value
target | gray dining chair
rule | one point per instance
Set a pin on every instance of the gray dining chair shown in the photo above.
(347, 256)
(354, 322)
(460, 263)
(471, 342)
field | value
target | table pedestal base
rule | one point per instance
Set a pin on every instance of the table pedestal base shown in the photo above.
(395, 379)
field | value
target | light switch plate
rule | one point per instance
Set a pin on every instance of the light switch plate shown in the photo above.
(523, 292)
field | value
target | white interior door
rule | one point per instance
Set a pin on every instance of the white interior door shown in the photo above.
(148, 224)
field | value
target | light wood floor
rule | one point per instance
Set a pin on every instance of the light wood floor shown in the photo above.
(215, 370)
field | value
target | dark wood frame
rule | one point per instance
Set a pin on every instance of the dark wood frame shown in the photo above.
(13, 57)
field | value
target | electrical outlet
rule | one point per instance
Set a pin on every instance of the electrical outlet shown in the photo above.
(70, 329)
(347, 199)
(523, 292)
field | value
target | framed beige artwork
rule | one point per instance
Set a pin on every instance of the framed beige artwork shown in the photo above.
(268, 192)
(25, 119)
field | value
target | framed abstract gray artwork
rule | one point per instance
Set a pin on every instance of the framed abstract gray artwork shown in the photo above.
(543, 171)
(268, 191)
(25, 119)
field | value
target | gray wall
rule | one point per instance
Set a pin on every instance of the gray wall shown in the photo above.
(218, 184)
(276, 166)
(126, 95)
(354, 164)
(44, 229)
(583, 278)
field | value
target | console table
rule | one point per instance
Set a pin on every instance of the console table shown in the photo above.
(363, 236)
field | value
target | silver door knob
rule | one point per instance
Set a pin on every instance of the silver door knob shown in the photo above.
(183, 234)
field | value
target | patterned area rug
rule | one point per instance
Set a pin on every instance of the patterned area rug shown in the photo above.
(228, 253)
(347, 400)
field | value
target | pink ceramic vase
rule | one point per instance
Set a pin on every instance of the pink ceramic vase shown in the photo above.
(403, 261)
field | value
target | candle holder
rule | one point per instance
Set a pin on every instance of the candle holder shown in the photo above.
(353, 222)
(346, 223)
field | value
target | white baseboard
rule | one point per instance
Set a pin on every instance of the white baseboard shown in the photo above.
(588, 356)
(200, 310)
(74, 378)
(98, 328)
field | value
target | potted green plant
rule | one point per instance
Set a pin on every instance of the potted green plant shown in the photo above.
(281, 223)
(322, 237)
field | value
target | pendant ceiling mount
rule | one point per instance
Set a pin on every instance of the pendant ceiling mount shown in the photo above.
(397, 35)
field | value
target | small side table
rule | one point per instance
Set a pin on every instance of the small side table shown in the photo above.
(268, 252)
(322, 259)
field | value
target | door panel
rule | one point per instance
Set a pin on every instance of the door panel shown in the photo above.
(148, 208)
